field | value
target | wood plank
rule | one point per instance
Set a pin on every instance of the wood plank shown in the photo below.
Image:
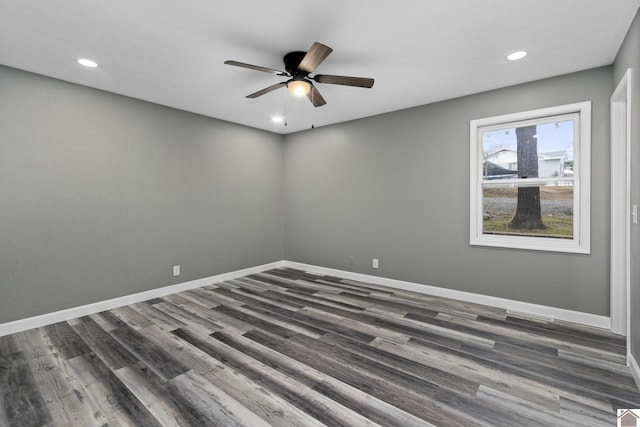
(547, 364)
(9, 345)
(66, 397)
(181, 351)
(149, 353)
(339, 392)
(154, 397)
(316, 301)
(117, 402)
(292, 348)
(570, 381)
(294, 388)
(441, 378)
(168, 404)
(585, 414)
(132, 317)
(214, 403)
(301, 286)
(373, 330)
(316, 325)
(65, 340)
(260, 297)
(158, 317)
(269, 321)
(220, 318)
(359, 377)
(203, 299)
(112, 353)
(105, 323)
(270, 407)
(530, 414)
(193, 315)
(473, 372)
(255, 285)
(22, 402)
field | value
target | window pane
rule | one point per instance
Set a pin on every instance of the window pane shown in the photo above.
(503, 215)
(525, 183)
(532, 150)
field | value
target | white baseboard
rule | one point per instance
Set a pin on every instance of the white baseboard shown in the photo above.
(511, 305)
(85, 310)
(635, 369)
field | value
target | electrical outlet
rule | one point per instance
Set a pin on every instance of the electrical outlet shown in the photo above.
(352, 260)
(375, 263)
(176, 270)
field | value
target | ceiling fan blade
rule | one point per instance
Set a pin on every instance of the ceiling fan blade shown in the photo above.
(266, 90)
(257, 68)
(344, 80)
(316, 54)
(314, 96)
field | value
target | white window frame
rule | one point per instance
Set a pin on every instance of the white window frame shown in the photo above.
(581, 242)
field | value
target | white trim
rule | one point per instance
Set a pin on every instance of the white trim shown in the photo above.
(620, 260)
(84, 310)
(581, 241)
(510, 305)
(587, 319)
(635, 369)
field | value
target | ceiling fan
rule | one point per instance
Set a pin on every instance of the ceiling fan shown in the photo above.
(298, 66)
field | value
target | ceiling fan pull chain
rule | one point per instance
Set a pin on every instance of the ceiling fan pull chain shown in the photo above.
(313, 110)
(286, 111)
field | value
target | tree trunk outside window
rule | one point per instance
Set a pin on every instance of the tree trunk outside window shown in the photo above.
(528, 213)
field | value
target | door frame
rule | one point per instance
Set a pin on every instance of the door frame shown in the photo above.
(620, 266)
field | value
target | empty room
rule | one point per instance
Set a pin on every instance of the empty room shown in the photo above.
(339, 213)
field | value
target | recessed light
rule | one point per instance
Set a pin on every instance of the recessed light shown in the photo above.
(87, 63)
(517, 55)
(277, 119)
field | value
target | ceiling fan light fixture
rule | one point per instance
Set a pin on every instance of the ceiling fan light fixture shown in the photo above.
(299, 88)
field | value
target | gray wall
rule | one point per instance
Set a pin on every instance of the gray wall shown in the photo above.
(101, 194)
(396, 187)
(629, 57)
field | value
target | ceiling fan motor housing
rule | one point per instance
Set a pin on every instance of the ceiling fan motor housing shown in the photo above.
(292, 61)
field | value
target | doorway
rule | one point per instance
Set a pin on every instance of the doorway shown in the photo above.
(621, 215)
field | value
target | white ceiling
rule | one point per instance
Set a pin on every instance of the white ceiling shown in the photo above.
(172, 52)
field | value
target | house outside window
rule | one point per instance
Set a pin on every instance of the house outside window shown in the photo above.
(530, 179)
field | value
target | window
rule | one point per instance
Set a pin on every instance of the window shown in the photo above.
(530, 179)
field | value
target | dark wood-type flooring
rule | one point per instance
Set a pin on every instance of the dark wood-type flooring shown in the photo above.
(289, 348)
